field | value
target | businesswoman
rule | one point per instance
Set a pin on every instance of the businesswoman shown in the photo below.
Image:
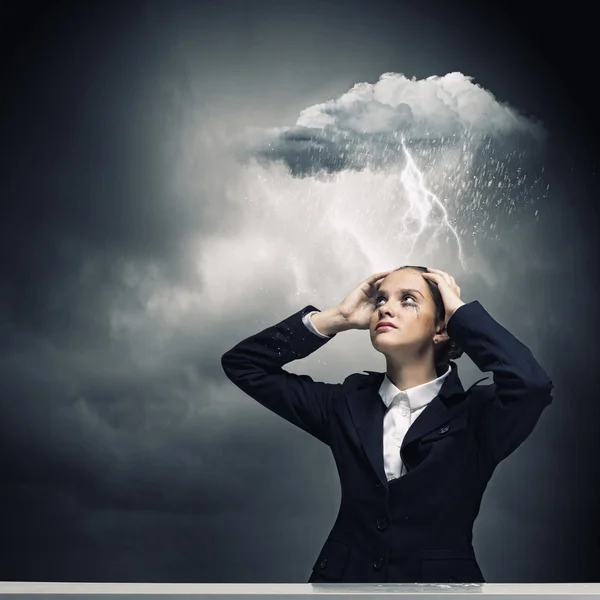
(413, 448)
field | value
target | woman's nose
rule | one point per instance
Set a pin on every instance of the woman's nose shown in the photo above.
(385, 309)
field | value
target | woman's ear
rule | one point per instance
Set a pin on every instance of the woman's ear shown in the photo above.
(441, 335)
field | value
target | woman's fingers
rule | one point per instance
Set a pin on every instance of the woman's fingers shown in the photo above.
(448, 289)
(368, 284)
(434, 277)
(374, 278)
(447, 278)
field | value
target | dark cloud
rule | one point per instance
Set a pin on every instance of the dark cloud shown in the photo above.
(465, 163)
(365, 127)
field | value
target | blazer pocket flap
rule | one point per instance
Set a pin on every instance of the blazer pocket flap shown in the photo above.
(332, 560)
(447, 429)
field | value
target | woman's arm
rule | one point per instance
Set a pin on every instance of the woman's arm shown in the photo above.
(255, 365)
(522, 387)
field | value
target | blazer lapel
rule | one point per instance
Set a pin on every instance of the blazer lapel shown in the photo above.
(437, 412)
(367, 411)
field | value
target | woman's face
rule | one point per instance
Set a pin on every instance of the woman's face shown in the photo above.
(405, 302)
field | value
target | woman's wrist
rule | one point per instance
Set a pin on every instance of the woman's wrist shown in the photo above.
(330, 321)
(452, 309)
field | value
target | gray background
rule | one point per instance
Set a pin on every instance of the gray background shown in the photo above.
(148, 226)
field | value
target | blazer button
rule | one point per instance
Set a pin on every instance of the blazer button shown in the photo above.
(444, 429)
(323, 563)
(382, 524)
(378, 485)
(378, 563)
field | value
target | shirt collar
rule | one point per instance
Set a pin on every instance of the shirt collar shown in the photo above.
(418, 396)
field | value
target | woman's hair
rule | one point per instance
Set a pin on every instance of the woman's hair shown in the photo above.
(448, 350)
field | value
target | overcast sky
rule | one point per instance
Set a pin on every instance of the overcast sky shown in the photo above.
(179, 177)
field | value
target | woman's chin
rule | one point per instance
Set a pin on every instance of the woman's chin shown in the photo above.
(383, 343)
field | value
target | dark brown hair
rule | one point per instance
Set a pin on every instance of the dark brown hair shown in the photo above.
(449, 350)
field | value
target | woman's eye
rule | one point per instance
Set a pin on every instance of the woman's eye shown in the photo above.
(379, 300)
(409, 300)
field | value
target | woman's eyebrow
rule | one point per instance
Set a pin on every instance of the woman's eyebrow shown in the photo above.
(402, 292)
(413, 292)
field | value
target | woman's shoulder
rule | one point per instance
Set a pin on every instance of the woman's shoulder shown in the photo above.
(357, 381)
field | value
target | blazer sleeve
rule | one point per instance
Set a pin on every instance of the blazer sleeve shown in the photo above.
(255, 366)
(522, 389)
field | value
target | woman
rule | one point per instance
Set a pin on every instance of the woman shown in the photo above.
(413, 448)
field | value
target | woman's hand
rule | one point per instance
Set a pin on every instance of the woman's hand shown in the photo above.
(448, 289)
(359, 304)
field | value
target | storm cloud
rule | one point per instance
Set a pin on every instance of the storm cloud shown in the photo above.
(364, 126)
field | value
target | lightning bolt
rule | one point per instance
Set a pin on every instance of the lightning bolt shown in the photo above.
(424, 208)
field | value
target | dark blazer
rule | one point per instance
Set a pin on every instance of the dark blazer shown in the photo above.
(417, 528)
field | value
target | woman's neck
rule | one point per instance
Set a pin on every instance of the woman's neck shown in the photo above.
(408, 375)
